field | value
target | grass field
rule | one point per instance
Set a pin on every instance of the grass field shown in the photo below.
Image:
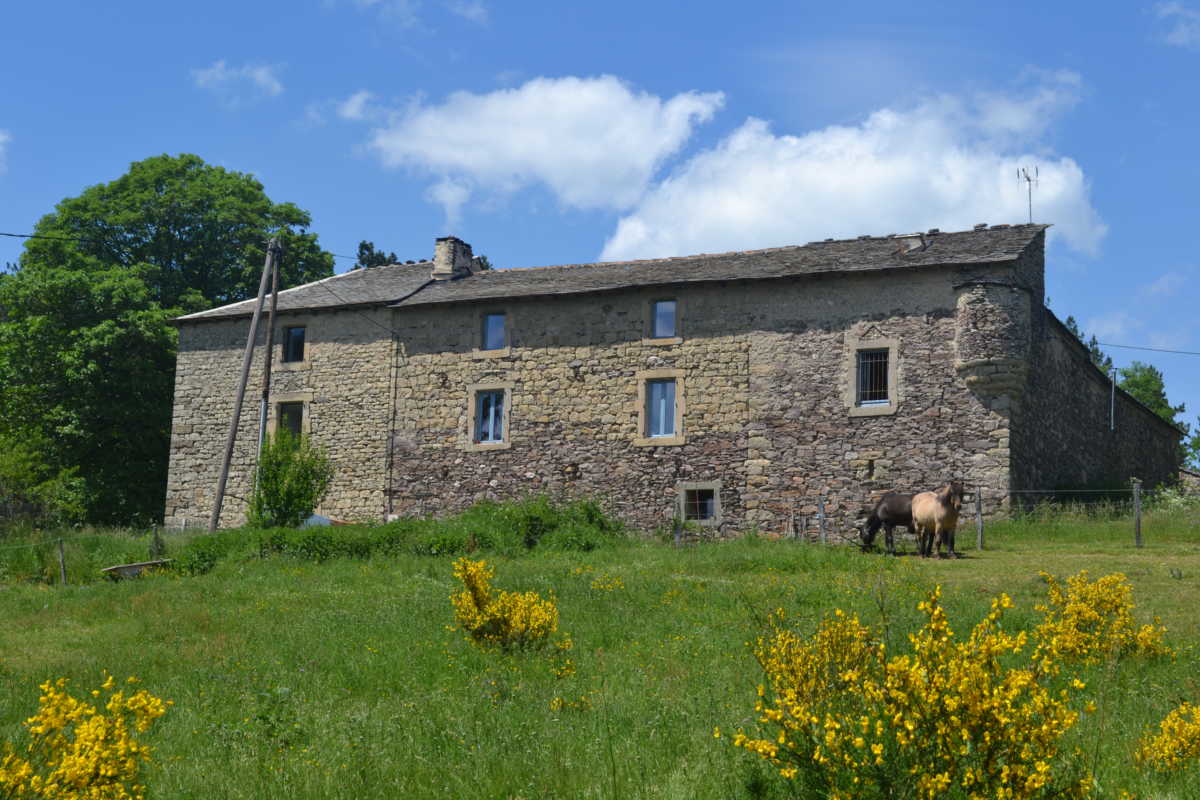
(298, 678)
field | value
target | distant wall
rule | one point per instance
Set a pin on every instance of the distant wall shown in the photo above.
(1063, 437)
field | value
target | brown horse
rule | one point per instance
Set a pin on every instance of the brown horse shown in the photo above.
(935, 515)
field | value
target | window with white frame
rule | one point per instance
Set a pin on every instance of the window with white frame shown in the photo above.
(489, 416)
(494, 334)
(660, 408)
(662, 319)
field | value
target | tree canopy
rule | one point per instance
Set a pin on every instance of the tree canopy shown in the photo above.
(369, 257)
(87, 351)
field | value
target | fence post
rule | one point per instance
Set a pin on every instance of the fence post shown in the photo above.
(678, 530)
(62, 564)
(1137, 513)
(978, 517)
(792, 524)
(821, 518)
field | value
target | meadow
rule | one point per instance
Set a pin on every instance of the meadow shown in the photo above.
(299, 668)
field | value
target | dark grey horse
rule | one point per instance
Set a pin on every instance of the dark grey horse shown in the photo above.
(891, 511)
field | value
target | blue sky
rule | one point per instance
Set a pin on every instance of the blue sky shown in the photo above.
(559, 133)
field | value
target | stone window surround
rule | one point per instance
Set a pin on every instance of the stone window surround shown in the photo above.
(500, 352)
(473, 390)
(282, 323)
(648, 321)
(278, 399)
(855, 343)
(640, 438)
(681, 490)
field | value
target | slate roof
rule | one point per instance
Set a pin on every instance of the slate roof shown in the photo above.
(360, 287)
(403, 285)
(870, 253)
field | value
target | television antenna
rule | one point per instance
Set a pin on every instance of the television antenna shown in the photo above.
(1030, 182)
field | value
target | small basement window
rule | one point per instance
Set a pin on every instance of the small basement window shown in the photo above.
(872, 382)
(699, 504)
(291, 418)
(293, 344)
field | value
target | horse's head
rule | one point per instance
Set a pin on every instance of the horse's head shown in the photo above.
(952, 495)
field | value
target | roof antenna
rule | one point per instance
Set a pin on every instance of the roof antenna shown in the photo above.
(1030, 182)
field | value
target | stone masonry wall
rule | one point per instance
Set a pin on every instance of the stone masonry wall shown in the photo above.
(765, 366)
(343, 381)
(1064, 440)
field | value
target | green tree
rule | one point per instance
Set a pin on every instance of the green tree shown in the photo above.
(87, 351)
(293, 477)
(1191, 447)
(198, 232)
(1098, 356)
(369, 257)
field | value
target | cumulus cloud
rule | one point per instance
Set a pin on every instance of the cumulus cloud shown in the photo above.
(5, 138)
(947, 162)
(1166, 285)
(236, 86)
(1184, 24)
(471, 10)
(595, 143)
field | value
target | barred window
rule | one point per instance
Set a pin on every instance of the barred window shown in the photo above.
(699, 504)
(872, 371)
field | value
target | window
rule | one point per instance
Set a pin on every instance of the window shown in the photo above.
(494, 337)
(660, 408)
(662, 319)
(699, 504)
(293, 344)
(489, 416)
(872, 381)
(291, 417)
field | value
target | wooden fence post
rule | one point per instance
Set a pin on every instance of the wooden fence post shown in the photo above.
(62, 564)
(978, 517)
(1137, 513)
(821, 518)
(678, 531)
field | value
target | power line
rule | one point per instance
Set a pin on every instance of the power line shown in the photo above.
(1153, 349)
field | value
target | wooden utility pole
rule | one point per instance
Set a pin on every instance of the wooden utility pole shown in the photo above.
(247, 358)
(978, 517)
(266, 387)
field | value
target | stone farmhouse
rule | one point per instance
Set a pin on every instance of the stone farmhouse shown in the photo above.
(734, 390)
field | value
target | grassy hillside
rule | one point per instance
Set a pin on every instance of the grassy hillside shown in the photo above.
(295, 677)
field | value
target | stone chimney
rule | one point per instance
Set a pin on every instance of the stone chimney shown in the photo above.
(451, 258)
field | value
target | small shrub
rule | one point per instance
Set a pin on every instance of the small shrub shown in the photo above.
(1090, 621)
(77, 750)
(509, 620)
(1177, 745)
(293, 477)
(846, 720)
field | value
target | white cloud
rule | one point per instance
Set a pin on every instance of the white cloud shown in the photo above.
(358, 106)
(237, 86)
(1184, 22)
(5, 138)
(450, 195)
(471, 10)
(946, 162)
(1166, 285)
(593, 142)
(1113, 326)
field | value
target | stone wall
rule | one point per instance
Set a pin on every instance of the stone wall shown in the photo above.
(765, 368)
(1063, 439)
(343, 381)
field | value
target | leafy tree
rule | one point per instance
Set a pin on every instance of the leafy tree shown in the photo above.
(369, 257)
(1191, 447)
(1098, 356)
(293, 477)
(483, 263)
(87, 352)
(200, 232)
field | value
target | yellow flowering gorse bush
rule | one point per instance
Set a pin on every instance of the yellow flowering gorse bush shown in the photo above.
(509, 620)
(1090, 621)
(948, 716)
(78, 751)
(1176, 746)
